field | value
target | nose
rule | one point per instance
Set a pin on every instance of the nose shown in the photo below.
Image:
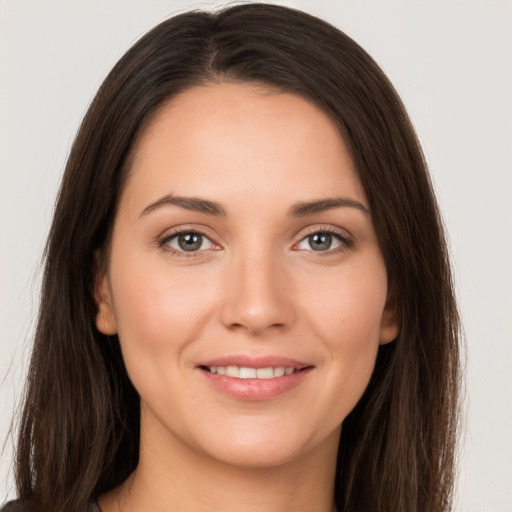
(258, 295)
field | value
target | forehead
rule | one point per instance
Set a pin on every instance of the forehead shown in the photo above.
(254, 140)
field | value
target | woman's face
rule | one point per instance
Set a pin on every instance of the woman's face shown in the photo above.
(244, 278)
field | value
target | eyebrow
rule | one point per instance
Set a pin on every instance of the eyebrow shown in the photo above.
(194, 204)
(301, 209)
(310, 207)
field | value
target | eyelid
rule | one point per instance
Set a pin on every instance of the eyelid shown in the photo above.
(347, 240)
(163, 240)
(170, 240)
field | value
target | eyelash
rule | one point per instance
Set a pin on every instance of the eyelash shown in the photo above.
(346, 242)
(164, 240)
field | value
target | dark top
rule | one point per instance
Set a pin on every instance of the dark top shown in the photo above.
(11, 506)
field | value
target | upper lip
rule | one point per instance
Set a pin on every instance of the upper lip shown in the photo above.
(245, 361)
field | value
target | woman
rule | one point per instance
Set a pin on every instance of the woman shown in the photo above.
(289, 346)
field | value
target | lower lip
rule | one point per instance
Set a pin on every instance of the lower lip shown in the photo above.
(255, 389)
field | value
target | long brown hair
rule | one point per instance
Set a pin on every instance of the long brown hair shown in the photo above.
(79, 434)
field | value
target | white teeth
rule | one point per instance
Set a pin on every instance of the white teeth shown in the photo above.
(279, 371)
(265, 373)
(247, 373)
(242, 372)
(232, 371)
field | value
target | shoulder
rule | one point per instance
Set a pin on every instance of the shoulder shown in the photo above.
(12, 506)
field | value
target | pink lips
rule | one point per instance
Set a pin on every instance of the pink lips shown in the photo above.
(254, 389)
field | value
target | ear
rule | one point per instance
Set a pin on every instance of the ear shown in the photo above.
(390, 321)
(105, 316)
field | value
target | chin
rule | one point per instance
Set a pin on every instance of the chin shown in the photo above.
(265, 448)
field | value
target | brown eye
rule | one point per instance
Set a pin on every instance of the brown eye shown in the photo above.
(189, 241)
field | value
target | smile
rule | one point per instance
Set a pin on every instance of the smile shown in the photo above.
(254, 379)
(243, 372)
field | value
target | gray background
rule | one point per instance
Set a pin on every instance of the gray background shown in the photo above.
(450, 61)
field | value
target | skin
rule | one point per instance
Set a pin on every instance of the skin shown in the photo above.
(255, 288)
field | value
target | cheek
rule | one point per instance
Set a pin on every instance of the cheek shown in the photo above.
(345, 314)
(158, 311)
(346, 307)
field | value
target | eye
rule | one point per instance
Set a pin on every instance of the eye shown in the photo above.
(188, 241)
(322, 241)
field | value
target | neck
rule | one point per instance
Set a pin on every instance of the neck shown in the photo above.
(171, 477)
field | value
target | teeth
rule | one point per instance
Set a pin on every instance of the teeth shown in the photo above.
(247, 373)
(232, 371)
(265, 373)
(279, 372)
(242, 372)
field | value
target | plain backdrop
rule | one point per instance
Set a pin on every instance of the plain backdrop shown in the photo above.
(452, 63)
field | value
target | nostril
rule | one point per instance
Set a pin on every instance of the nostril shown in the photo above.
(256, 309)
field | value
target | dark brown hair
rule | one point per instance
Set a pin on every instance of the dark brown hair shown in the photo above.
(79, 433)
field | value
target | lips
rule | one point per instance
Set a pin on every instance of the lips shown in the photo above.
(254, 379)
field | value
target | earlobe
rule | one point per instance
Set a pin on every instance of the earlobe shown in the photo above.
(390, 323)
(105, 316)
(388, 333)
